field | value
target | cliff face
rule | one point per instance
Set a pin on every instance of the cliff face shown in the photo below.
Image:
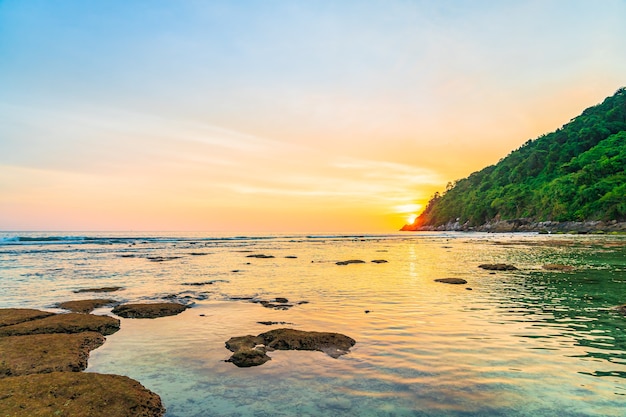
(574, 175)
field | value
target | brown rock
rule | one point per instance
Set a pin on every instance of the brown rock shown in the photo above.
(77, 394)
(498, 267)
(103, 289)
(148, 311)
(558, 267)
(351, 261)
(254, 347)
(44, 353)
(11, 316)
(380, 261)
(451, 280)
(246, 357)
(64, 323)
(85, 306)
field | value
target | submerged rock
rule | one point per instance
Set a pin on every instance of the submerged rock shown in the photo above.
(77, 394)
(557, 267)
(162, 258)
(351, 261)
(43, 353)
(451, 280)
(10, 316)
(498, 267)
(85, 306)
(102, 289)
(251, 350)
(64, 323)
(149, 311)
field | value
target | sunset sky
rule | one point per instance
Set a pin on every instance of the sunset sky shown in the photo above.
(260, 116)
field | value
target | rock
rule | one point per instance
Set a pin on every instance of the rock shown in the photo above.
(379, 261)
(557, 267)
(77, 394)
(43, 353)
(498, 267)
(85, 306)
(103, 289)
(451, 280)
(281, 300)
(148, 311)
(281, 306)
(10, 316)
(271, 323)
(351, 261)
(197, 284)
(291, 257)
(162, 258)
(333, 344)
(246, 357)
(64, 323)
(622, 309)
(198, 253)
(260, 256)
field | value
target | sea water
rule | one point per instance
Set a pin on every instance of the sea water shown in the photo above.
(528, 342)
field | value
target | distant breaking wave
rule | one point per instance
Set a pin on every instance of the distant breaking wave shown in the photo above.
(103, 239)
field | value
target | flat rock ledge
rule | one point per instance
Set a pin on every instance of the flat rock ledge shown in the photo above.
(451, 280)
(85, 306)
(59, 323)
(149, 311)
(498, 267)
(77, 394)
(41, 356)
(44, 353)
(252, 350)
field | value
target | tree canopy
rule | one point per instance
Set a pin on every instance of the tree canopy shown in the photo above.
(576, 173)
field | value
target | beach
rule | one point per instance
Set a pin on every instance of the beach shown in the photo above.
(530, 341)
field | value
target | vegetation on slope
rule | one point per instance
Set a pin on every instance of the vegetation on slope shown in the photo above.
(576, 173)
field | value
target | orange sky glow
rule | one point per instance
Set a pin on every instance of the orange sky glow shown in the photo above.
(281, 116)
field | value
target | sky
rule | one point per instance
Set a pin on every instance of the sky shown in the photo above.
(280, 116)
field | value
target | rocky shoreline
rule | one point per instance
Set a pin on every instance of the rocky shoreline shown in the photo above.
(525, 225)
(42, 355)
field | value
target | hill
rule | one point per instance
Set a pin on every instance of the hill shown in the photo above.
(574, 175)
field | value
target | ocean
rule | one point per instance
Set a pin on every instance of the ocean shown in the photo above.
(526, 342)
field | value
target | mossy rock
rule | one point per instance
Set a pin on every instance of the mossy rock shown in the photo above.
(85, 306)
(451, 280)
(148, 311)
(350, 261)
(101, 289)
(250, 350)
(64, 323)
(11, 316)
(498, 267)
(77, 394)
(44, 353)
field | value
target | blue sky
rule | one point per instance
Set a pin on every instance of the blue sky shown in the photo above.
(279, 115)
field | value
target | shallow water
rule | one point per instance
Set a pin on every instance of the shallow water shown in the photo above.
(519, 343)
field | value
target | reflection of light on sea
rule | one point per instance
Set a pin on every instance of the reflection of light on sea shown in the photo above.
(412, 260)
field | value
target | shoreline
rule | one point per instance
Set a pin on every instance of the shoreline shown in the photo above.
(526, 225)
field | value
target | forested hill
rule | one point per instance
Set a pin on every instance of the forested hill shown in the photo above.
(575, 174)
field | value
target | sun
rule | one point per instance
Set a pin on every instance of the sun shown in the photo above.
(411, 218)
